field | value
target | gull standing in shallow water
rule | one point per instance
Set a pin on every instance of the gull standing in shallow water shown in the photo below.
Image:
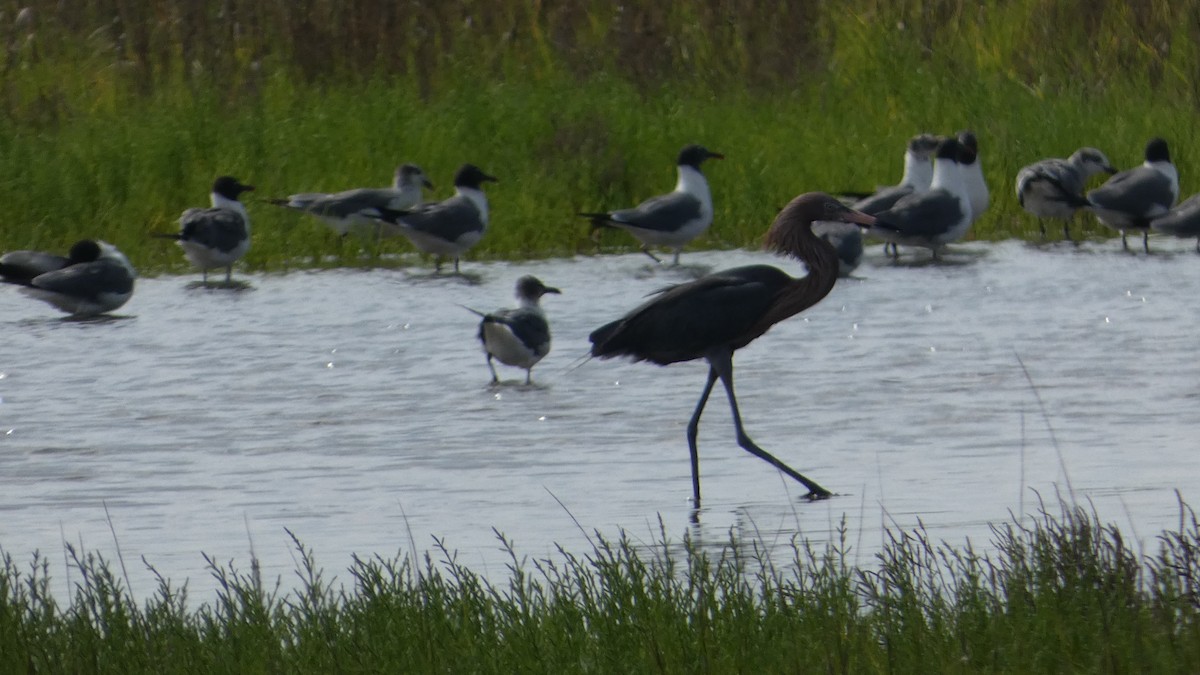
(1053, 188)
(218, 236)
(1134, 197)
(355, 210)
(846, 239)
(714, 316)
(517, 337)
(447, 228)
(918, 173)
(1183, 221)
(92, 279)
(674, 219)
(933, 218)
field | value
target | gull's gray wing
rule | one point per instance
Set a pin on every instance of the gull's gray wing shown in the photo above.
(928, 214)
(362, 201)
(87, 280)
(664, 213)
(1058, 173)
(21, 267)
(1134, 192)
(1181, 221)
(449, 219)
(221, 229)
(531, 328)
(300, 200)
(882, 200)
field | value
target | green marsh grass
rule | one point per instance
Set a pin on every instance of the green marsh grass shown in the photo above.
(116, 116)
(1060, 592)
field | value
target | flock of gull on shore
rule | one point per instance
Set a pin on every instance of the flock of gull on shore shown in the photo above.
(940, 195)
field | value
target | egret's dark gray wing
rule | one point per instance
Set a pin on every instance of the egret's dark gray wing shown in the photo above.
(220, 229)
(20, 267)
(665, 213)
(925, 215)
(363, 201)
(449, 219)
(1135, 192)
(87, 280)
(1181, 221)
(882, 200)
(530, 328)
(684, 322)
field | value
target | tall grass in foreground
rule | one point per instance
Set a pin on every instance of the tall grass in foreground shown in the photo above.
(1062, 594)
(114, 116)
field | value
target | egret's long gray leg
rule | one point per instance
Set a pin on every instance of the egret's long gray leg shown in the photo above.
(722, 364)
(646, 250)
(693, 428)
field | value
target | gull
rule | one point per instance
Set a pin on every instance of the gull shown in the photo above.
(94, 277)
(934, 218)
(217, 236)
(918, 173)
(1132, 198)
(1182, 221)
(447, 228)
(353, 210)
(846, 239)
(517, 337)
(972, 173)
(1053, 188)
(671, 220)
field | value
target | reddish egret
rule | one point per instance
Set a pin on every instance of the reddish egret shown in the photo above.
(93, 279)
(217, 236)
(673, 219)
(1132, 198)
(518, 337)
(715, 315)
(447, 228)
(351, 210)
(1053, 188)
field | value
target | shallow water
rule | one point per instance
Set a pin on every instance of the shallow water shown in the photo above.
(352, 408)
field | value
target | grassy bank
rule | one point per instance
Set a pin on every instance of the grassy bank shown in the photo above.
(116, 116)
(1062, 594)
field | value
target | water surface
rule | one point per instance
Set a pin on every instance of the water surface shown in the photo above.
(353, 408)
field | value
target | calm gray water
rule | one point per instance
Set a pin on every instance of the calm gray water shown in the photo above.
(352, 407)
